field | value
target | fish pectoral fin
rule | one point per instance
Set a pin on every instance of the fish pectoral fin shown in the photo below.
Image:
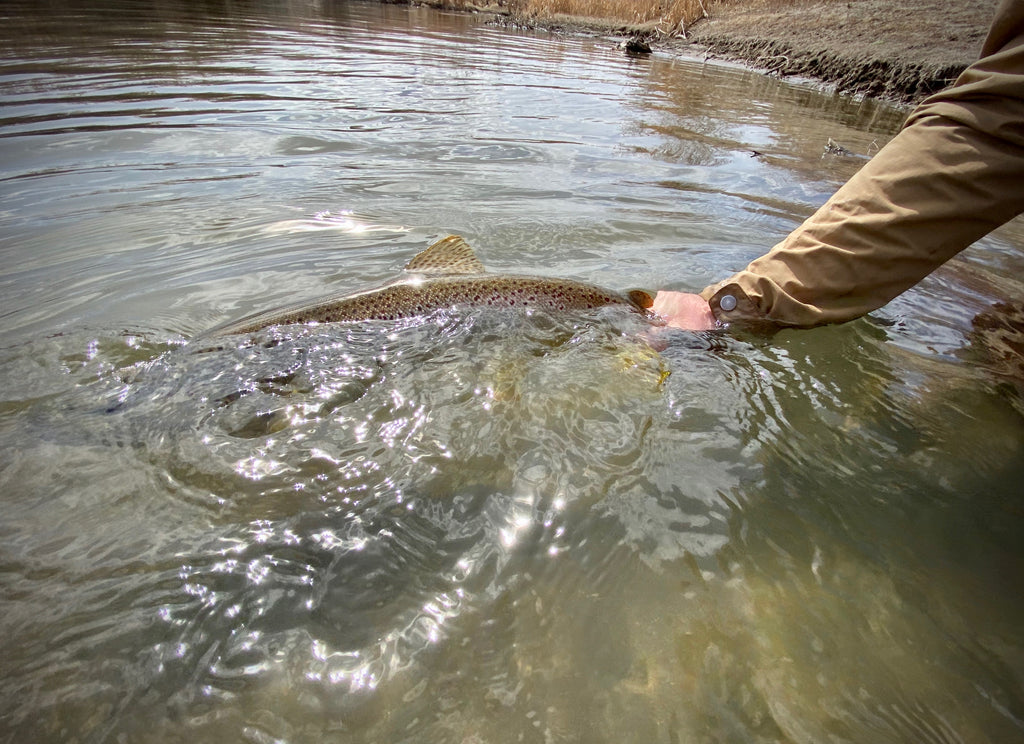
(641, 298)
(451, 255)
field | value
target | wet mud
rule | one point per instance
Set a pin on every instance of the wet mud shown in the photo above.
(901, 51)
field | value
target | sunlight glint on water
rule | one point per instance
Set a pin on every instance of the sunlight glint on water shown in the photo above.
(482, 526)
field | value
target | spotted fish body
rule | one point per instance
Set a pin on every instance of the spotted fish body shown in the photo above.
(447, 274)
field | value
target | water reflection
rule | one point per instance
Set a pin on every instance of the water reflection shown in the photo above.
(484, 527)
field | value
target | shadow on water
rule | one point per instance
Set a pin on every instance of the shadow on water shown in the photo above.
(470, 527)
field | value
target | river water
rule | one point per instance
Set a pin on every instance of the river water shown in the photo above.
(474, 526)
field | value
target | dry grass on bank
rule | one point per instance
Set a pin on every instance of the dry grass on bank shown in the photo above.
(666, 17)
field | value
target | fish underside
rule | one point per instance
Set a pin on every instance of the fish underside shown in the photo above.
(448, 274)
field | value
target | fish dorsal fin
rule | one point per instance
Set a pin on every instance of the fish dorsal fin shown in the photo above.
(451, 255)
(641, 297)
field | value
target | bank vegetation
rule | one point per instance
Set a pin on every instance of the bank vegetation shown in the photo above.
(661, 17)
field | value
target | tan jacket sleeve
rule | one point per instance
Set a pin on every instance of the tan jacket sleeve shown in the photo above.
(953, 174)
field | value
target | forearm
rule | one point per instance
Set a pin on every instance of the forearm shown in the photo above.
(952, 175)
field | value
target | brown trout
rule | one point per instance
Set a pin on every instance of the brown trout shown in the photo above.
(447, 274)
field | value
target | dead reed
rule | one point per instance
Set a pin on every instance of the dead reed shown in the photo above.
(667, 16)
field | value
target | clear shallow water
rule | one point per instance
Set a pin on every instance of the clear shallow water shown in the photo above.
(483, 527)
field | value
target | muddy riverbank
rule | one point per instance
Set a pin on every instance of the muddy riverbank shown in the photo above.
(901, 52)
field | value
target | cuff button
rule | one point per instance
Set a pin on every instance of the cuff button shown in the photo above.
(727, 303)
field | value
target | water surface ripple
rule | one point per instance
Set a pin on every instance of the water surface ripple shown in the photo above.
(472, 526)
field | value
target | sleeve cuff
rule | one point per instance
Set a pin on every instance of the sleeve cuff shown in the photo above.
(732, 307)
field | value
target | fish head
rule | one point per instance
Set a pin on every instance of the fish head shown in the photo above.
(643, 299)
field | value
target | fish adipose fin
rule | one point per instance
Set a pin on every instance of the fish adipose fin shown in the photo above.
(451, 255)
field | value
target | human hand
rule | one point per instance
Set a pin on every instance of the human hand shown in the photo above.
(682, 310)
